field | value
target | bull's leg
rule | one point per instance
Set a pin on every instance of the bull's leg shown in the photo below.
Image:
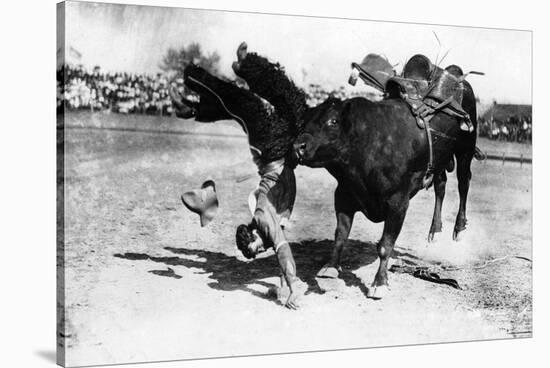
(392, 227)
(440, 181)
(463, 174)
(345, 210)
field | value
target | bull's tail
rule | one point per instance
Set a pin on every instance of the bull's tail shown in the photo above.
(479, 154)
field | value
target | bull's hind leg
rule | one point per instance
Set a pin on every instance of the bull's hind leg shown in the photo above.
(345, 207)
(463, 174)
(440, 181)
(392, 227)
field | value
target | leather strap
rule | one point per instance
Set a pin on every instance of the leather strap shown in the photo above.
(424, 273)
(429, 176)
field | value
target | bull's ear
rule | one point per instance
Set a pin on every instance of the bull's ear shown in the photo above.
(345, 115)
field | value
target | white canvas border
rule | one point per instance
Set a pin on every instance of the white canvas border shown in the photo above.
(28, 182)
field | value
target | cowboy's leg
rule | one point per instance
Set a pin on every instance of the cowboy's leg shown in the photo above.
(269, 81)
(207, 110)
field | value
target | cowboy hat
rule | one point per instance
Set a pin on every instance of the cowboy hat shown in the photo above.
(203, 202)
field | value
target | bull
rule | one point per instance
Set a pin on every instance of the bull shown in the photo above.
(378, 155)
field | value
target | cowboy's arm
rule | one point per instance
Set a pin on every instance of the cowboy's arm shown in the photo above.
(288, 268)
(274, 234)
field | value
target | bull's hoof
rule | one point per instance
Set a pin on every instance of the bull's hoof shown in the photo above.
(458, 235)
(329, 272)
(433, 237)
(378, 292)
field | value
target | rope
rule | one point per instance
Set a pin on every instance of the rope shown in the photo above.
(428, 272)
(486, 263)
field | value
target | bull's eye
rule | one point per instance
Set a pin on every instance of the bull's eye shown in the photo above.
(331, 122)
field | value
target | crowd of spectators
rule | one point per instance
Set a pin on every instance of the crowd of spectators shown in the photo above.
(95, 90)
(129, 93)
(316, 94)
(514, 129)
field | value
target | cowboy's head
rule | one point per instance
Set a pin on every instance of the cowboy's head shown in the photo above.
(249, 241)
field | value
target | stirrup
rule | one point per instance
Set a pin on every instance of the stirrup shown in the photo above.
(428, 180)
(466, 126)
(420, 122)
(428, 177)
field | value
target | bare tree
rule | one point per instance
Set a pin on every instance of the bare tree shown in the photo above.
(176, 60)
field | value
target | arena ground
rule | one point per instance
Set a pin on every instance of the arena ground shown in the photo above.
(143, 280)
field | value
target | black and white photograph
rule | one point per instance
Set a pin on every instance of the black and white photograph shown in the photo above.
(238, 184)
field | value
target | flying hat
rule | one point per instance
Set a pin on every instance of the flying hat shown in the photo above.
(203, 202)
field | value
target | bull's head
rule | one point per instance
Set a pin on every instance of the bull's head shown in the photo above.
(323, 141)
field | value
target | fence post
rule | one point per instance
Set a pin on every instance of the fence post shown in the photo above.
(521, 160)
(503, 157)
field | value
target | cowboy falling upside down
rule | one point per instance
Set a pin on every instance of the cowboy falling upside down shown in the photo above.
(271, 133)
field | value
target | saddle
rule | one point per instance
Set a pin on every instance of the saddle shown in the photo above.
(428, 89)
(425, 87)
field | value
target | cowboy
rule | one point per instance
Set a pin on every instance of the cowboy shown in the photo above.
(272, 202)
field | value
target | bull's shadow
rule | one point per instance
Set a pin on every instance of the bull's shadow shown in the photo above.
(229, 273)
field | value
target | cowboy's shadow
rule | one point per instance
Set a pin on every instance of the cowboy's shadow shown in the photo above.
(229, 273)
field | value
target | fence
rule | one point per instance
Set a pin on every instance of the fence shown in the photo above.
(522, 159)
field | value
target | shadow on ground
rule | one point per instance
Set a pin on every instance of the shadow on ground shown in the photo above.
(48, 355)
(229, 273)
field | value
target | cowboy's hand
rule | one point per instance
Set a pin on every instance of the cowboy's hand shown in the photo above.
(297, 290)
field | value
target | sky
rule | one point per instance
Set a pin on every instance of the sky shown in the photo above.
(313, 50)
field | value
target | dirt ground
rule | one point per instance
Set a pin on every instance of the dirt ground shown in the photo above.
(144, 282)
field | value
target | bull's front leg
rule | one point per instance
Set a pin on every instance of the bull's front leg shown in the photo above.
(392, 227)
(344, 205)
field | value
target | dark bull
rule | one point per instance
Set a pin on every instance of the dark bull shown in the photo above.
(379, 156)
